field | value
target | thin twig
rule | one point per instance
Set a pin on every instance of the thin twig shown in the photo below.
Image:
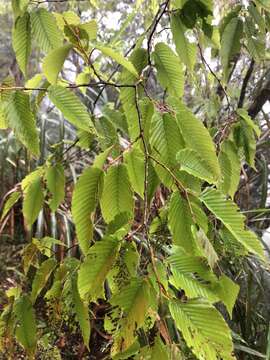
(154, 25)
(214, 74)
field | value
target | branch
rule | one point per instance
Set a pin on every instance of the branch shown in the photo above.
(153, 27)
(261, 95)
(245, 83)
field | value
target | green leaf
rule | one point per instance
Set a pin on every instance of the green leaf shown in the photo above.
(21, 41)
(127, 95)
(71, 107)
(107, 51)
(21, 120)
(42, 275)
(134, 160)
(169, 70)
(85, 197)
(203, 329)
(230, 43)
(134, 301)
(191, 162)
(249, 122)
(91, 29)
(228, 213)
(196, 136)
(26, 332)
(33, 201)
(54, 62)
(117, 196)
(55, 178)
(95, 268)
(180, 221)
(230, 166)
(255, 44)
(82, 313)
(11, 201)
(166, 140)
(185, 50)
(19, 7)
(45, 30)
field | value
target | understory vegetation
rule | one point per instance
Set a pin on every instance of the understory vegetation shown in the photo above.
(134, 161)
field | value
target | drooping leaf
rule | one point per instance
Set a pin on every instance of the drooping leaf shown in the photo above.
(180, 221)
(94, 269)
(127, 95)
(196, 136)
(82, 313)
(21, 41)
(134, 301)
(255, 43)
(117, 196)
(56, 184)
(169, 70)
(119, 58)
(71, 107)
(203, 329)
(41, 277)
(86, 194)
(228, 213)
(11, 201)
(26, 332)
(45, 30)
(230, 166)
(134, 160)
(166, 140)
(185, 49)
(21, 120)
(230, 43)
(54, 62)
(33, 201)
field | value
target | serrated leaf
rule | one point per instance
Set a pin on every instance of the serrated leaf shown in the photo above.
(20, 119)
(94, 269)
(33, 201)
(41, 277)
(196, 136)
(86, 194)
(203, 329)
(134, 160)
(45, 30)
(134, 301)
(82, 313)
(250, 123)
(180, 221)
(54, 62)
(127, 95)
(185, 50)
(169, 70)
(230, 43)
(27, 330)
(166, 140)
(11, 201)
(119, 58)
(255, 44)
(71, 107)
(56, 184)
(228, 213)
(191, 162)
(21, 41)
(117, 196)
